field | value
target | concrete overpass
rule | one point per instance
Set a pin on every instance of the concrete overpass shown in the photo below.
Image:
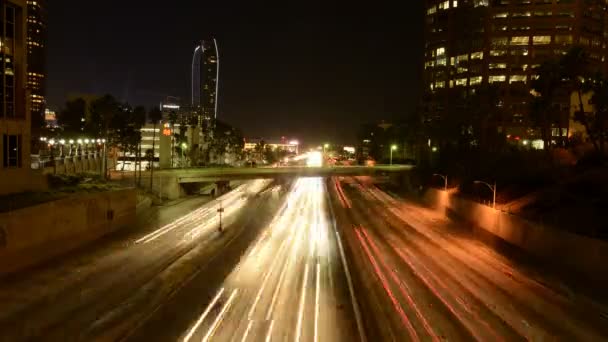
(173, 183)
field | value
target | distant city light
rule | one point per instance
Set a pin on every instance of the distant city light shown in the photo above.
(170, 106)
(71, 141)
(294, 142)
(314, 159)
(62, 141)
(434, 149)
(349, 149)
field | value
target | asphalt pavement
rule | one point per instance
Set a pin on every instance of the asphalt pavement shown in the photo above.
(427, 278)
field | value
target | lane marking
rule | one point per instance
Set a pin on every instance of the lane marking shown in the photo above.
(203, 315)
(219, 317)
(349, 279)
(302, 300)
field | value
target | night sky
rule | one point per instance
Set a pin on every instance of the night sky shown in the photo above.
(314, 71)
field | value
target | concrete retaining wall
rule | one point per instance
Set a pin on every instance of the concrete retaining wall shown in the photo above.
(35, 234)
(584, 255)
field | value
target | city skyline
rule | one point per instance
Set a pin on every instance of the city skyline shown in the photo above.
(285, 70)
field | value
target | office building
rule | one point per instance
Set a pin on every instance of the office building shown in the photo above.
(15, 119)
(205, 78)
(36, 56)
(474, 43)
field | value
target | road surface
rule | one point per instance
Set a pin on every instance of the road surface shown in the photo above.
(426, 278)
(290, 285)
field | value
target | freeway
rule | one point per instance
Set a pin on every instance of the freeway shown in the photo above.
(89, 293)
(428, 278)
(290, 284)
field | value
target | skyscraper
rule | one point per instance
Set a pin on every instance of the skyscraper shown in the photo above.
(15, 172)
(205, 78)
(472, 43)
(36, 71)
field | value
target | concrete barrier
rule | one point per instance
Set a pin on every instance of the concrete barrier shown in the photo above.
(35, 234)
(583, 255)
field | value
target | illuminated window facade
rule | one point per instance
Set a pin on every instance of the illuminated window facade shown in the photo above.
(14, 115)
(501, 42)
(36, 55)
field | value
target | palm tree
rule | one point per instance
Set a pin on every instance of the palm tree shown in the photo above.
(575, 70)
(543, 91)
(155, 115)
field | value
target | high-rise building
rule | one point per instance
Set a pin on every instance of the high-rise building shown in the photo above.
(472, 43)
(36, 71)
(15, 170)
(205, 78)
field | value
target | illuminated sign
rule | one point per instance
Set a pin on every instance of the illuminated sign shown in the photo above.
(166, 132)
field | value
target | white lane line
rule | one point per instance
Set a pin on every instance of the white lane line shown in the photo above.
(219, 317)
(247, 331)
(269, 334)
(302, 300)
(349, 279)
(317, 303)
(205, 313)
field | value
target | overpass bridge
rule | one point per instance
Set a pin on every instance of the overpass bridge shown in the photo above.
(173, 183)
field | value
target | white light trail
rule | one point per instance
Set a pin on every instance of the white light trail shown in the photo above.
(219, 317)
(203, 315)
(302, 300)
(269, 334)
(247, 331)
(316, 333)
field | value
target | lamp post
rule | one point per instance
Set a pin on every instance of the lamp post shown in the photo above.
(184, 147)
(445, 180)
(493, 188)
(325, 147)
(393, 148)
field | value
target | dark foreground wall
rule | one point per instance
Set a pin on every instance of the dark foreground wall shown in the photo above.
(586, 256)
(32, 235)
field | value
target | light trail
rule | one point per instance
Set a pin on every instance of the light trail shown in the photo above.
(269, 334)
(249, 325)
(316, 331)
(219, 317)
(302, 303)
(406, 322)
(203, 315)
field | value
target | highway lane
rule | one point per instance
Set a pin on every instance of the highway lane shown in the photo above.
(431, 282)
(79, 295)
(289, 284)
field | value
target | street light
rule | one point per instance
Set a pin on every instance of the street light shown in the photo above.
(493, 188)
(393, 148)
(325, 147)
(445, 180)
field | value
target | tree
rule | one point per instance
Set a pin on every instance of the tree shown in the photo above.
(72, 117)
(154, 115)
(542, 105)
(597, 122)
(575, 70)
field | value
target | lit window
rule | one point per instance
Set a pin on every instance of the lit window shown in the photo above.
(541, 40)
(563, 39)
(454, 3)
(584, 41)
(451, 60)
(440, 84)
(520, 40)
(543, 14)
(451, 83)
(478, 3)
(500, 41)
(444, 5)
(461, 70)
(519, 52)
(496, 53)
(441, 61)
(517, 78)
(521, 14)
(461, 82)
(501, 15)
(462, 58)
(524, 67)
(477, 55)
(502, 28)
(498, 66)
(429, 64)
(431, 10)
(475, 80)
(440, 51)
(497, 78)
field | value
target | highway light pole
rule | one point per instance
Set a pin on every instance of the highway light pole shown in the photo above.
(393, 148)
(493, 188)
(445, 180)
